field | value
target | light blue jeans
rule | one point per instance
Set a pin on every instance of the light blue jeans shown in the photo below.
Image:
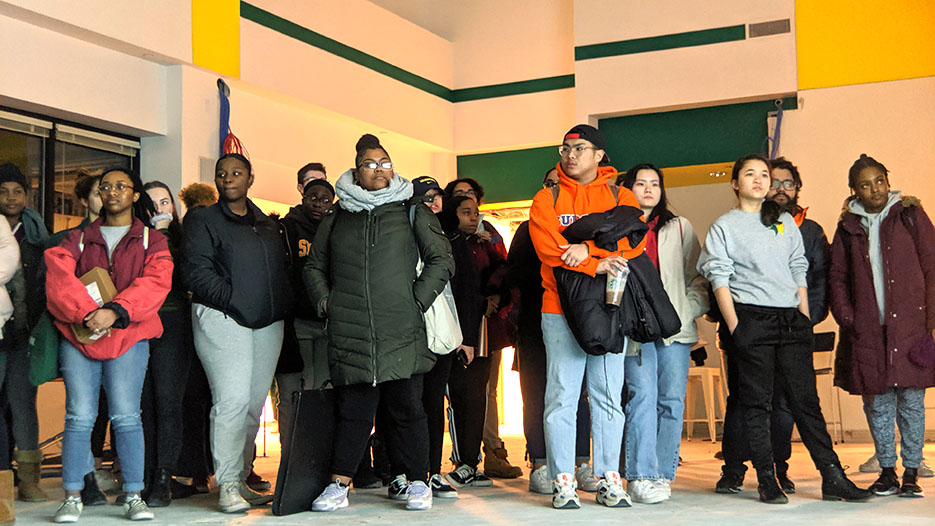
(905, 407)
(656, 382)
(566, 365)
(122, 379)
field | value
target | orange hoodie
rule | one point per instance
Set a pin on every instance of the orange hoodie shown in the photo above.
(546, 224)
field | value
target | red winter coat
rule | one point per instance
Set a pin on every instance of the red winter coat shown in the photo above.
(869, 359)
(142, 277)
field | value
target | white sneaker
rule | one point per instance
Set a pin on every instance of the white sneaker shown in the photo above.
(872, 465)
(665, 485)
(925, 471)
(254, 498)
(645, 492)
(70, 510)
(334, 497)
(229, 499)
(539, 481)
(586, 479)
(610, 491)
(564, 496)
(137, 510)
(419, 496)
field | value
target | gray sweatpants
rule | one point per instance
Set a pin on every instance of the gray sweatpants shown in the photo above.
(239, 363)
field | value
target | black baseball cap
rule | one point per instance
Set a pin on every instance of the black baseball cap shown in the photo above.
(592, 135)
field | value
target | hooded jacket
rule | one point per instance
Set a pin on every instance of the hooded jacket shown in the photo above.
(817, 252)
(872, 356)
(141, 275)
(27, 287)
(548, 217)
(361, 272)
(237, 264)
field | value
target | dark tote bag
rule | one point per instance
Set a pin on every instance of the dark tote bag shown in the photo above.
(305, 467)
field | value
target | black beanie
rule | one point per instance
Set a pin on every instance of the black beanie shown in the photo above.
(9, 172)
(317, 182)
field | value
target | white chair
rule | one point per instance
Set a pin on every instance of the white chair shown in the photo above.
(712, 391)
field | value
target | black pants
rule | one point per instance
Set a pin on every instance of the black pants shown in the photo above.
(773, 347)
(170, 360)
(734, 444)
(433, 400)
(468, 389)
(195, 458)
(406, 429)
(530, 351)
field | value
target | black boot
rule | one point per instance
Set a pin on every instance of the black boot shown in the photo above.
(768, 487)
(782, 475)
(836, 486)
(92, 495)
(160, 490)
(731, 481)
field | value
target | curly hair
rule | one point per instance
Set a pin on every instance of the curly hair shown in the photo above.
(197, 195)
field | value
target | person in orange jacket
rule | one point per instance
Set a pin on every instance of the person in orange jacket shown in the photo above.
(585, 186)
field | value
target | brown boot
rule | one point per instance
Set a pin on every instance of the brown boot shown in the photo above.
(496, 464)
(28, 466)
(7, 511)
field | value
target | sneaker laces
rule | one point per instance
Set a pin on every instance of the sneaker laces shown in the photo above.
(419, 490)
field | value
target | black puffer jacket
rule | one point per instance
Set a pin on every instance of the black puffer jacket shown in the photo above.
(646, 314)
(237, 265)
(364, 264)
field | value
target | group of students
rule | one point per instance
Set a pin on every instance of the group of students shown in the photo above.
(334, 294)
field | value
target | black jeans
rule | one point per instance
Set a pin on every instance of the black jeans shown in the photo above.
(734, 444)
(406, 429)
(170, 360)
(468, 389)
(433, 400)
(530, 352)
(773, 347)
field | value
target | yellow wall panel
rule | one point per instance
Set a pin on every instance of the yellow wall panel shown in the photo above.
(844, 42)
(216, 35)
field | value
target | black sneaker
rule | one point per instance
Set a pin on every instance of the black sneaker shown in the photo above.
(441, 489)
(911, 487)
(92, 495)
(785, 482)
(730, 483)
(768, 487)
(887, 484)
(465, 475)
(398, 489)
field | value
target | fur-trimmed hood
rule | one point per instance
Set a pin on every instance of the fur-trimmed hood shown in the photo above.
(906, 200)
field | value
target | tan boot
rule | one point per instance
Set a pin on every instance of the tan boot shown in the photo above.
(7, 504)
(28, 466)
(496, 464)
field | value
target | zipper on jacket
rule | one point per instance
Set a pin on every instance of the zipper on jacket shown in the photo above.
(368, 233)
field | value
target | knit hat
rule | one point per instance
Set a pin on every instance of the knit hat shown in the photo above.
(422, 185)
(9, 172)
(592, 135)
(317, 182)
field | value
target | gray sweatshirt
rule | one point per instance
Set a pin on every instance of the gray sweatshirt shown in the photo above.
(871, 223)
(760, 265)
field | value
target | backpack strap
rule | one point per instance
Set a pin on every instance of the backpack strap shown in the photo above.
(145, 238)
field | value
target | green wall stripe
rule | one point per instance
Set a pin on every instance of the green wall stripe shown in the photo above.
(302, 34)
(514, 88)
(677, 40)
(312, 38)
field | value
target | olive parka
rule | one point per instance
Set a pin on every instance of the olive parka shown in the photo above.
(361, 275)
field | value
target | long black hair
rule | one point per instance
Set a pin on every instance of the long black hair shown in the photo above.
(175, 226)
(143, 208)
(448, 217)
(661, 210)
(769, 210)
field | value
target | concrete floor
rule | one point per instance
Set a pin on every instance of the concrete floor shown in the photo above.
(509, 503)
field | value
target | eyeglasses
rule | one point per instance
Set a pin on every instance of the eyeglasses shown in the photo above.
(549, 184)
(787, 184)
(428, 198)
(120, 187)
(373, 165)
(564, 150)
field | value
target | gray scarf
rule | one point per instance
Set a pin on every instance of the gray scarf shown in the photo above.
(353, 198)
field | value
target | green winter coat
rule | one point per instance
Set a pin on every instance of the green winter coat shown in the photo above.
(364, 264)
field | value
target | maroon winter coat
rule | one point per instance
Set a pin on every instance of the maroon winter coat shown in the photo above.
(869, 359)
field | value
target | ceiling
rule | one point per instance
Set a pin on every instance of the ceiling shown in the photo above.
(438, 16)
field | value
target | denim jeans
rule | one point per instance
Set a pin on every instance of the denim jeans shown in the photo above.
(656, 381)
(239, 363)
(122, 379)
(907, 408)
(566, 365)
